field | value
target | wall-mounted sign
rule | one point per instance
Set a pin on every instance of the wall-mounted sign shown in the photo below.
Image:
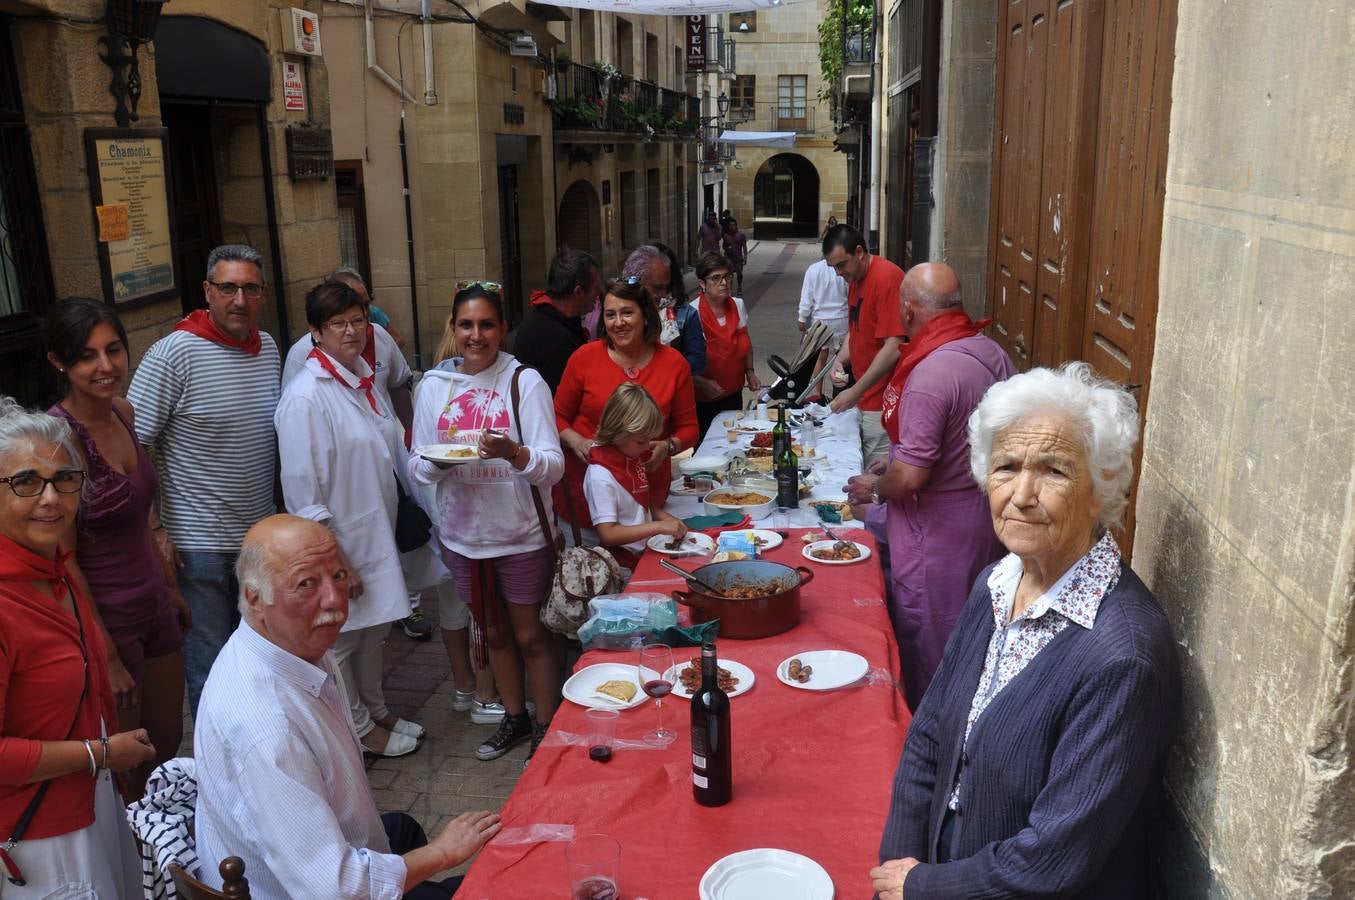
(133, 208)
(300, 32)
(293, 86)
(310, 152)
(696, 43)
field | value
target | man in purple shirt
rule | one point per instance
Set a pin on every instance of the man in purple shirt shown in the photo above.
(709, 235)
(939, 530)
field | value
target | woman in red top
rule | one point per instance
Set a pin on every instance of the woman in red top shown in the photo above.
(629, 349)
(56, 704)
(729, 350)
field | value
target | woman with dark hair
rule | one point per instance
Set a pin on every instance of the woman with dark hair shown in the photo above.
(628, 349)
(729, 350)
(122, 550)
(341, 449)
(489, 530)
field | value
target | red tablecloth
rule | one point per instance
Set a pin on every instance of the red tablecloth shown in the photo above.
(812, 771)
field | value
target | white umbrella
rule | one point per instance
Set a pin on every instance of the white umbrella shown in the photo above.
(783, 140)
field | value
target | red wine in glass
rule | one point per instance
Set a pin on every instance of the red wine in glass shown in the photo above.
(658, 688)
(600, 753)
(596, 888)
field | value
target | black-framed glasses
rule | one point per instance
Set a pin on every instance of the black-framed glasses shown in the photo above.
(468, 283)
(229, 288)
(339, 326)
(31, 484)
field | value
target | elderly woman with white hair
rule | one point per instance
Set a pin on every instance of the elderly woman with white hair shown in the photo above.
(1032, 766)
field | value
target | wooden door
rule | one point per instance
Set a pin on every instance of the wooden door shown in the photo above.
(1080, 153)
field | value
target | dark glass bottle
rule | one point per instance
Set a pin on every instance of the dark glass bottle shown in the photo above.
(780, 434)
(712, 776)
(787, 477)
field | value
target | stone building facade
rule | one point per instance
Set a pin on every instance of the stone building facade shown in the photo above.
(227, 162)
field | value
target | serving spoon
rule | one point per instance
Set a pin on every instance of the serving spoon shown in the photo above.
(690, 578)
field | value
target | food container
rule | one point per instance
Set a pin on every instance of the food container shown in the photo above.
(746, 619)
(711, 465)
(721, 500)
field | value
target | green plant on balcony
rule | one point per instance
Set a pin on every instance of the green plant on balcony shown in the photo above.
(625, 111)
(575, 112)
(842, 18)
(608, 71)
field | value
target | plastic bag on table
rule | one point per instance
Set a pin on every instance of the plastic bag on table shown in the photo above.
(626, 621)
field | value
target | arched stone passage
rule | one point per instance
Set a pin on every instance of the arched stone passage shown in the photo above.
(579, 223)
(786, 198)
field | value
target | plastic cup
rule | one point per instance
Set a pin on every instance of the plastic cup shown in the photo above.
(594, 865)
(601, 733)
(762, 411)
(781, 518)
(703, 484)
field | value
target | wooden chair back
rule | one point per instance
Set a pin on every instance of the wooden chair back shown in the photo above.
(233, 882)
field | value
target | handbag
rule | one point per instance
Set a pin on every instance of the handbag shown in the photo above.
(579, 573)
(413, 528)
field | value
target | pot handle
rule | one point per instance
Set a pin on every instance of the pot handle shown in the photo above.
(806, 575)
(692, 599)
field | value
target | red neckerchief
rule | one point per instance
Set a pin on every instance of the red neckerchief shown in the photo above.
(629, 473)
(199, 322)
(364, 384)
(369, 351)
(18, 563)
(947, 327)
(539, 298)
(726, 349)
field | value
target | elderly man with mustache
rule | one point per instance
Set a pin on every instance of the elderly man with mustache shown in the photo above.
(281, 782)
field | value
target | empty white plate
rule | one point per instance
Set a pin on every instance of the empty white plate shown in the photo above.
(832, 669)
(582, 686)
(766, 874)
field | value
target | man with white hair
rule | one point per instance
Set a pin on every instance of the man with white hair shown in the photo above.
(281, 782)
(939, 531)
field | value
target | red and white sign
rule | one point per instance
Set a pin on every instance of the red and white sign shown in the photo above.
(696, 43)
(293, 86)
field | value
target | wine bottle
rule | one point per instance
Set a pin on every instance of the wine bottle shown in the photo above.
(780, 434)
(712, 777)
(787, 477)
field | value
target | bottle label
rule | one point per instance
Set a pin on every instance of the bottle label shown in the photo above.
(698, 760)
(700, 780)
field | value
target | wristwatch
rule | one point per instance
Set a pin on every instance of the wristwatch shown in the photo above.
(673, 446)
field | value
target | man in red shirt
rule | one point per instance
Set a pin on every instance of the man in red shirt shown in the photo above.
(874, 331)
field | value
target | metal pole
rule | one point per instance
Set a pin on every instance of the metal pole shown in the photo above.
(409, 244)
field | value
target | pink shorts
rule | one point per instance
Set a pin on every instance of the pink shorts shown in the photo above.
(523, 578)
(139, 641)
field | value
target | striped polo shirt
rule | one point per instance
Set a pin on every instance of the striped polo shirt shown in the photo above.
(206, 413)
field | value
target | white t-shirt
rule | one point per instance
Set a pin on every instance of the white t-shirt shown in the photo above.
(823, 294)
(611, 503)
(391, 368)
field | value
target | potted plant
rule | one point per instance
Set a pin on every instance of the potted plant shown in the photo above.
(562, 59)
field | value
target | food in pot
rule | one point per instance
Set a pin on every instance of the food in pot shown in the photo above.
(618, 690)
(839, 552)
(797, 671)
(751, 591)
(691, 678)
(737, 498)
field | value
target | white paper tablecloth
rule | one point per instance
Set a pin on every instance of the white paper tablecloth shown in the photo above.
(836, 459)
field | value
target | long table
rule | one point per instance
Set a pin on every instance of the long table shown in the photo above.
(812, 770)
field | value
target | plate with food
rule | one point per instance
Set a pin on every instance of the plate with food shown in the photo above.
(735, 677)
(449, 453)
(607, 686)
(764, 539)
(766, 872)
(836, 553)
(822, 670)
(753, 426)
(691, 542)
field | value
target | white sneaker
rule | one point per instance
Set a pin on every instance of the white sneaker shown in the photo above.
(462, 700)
(482, 713)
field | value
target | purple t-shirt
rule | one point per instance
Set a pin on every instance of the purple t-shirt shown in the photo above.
(937, 400)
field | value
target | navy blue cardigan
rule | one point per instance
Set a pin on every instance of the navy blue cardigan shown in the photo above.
(1063, 769)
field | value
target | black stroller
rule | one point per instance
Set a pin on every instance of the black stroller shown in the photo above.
(795, 380)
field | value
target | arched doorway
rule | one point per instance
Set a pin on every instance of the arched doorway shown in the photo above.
(786, 198)
(579, 224)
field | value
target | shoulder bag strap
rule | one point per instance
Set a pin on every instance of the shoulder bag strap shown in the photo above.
(516, 394)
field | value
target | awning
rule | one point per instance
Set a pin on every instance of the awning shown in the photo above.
(783, 140)
(673, 7)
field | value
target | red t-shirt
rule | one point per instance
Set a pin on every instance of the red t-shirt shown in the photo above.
(873, 315)
(589, 379)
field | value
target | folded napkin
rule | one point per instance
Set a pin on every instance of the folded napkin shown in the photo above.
(718, 523)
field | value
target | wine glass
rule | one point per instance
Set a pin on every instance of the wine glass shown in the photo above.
(658, 658)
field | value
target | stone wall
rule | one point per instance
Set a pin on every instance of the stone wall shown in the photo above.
(1245, 513)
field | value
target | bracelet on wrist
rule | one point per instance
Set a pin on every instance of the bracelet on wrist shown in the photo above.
(875, 491)
(93, 768)
(104, 741)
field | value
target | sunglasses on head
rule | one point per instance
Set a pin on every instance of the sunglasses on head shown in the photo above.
(467, 284)
(627, 280)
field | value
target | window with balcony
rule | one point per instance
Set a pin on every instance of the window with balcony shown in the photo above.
(625, 47)
(742, 106)
(651, 58)
(588, 48)
(792, 110)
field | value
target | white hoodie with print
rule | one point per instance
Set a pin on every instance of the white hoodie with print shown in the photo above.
(484, 507)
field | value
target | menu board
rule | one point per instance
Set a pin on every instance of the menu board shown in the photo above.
(132, 205)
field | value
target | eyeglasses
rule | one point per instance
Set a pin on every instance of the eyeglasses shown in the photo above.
(229, 288)
(492, 286)
(721, 278)
(339, 326)
(31, 484)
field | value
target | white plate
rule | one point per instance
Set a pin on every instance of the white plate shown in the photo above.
(771, 537)
(766, 874)
(820, 545)
(695, 541)
(737, 669)
(582, 686)
(751, 426)
(679, 488)
(438, 453)
(832, 669)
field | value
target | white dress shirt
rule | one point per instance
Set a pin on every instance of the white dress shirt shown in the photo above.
(823, 294)
(281, 782)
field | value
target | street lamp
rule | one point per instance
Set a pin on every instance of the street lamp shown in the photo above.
(722, 103)
(130, 24)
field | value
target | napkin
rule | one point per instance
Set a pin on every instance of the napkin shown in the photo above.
(729, 519)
